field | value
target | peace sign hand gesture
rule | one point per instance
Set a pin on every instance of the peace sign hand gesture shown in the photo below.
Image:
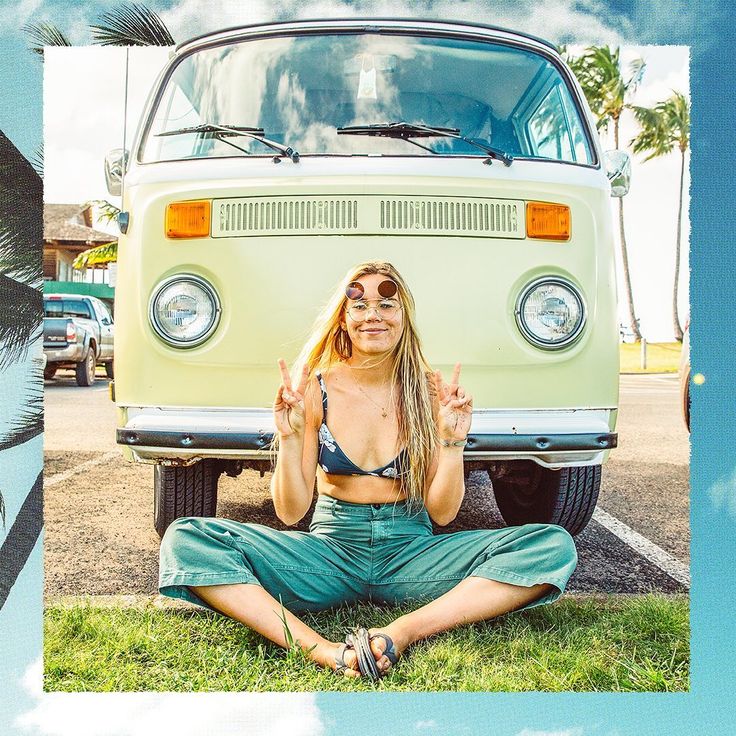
(456, 407)
(288, 408)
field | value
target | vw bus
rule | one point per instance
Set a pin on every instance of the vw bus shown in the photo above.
(271, 158)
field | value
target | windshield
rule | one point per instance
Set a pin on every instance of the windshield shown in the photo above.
(300, 89)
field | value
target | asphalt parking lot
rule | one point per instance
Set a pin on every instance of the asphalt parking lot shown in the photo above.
(98, 507)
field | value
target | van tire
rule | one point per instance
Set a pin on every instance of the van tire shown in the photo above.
(50, 371)
(184, 491)
(533, 494)
(85, 370)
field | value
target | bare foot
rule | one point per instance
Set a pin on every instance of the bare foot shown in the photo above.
(378, 645)
(327, 653)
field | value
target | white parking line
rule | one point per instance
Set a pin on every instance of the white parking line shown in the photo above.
(648, 550)
(61, 477)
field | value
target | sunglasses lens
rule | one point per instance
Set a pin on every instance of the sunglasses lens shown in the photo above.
(387, 288)
(354, 290)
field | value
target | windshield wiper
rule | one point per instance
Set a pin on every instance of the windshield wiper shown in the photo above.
(407, 131)
(220, 131)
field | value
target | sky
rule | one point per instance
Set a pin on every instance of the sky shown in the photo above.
(77, 135)
(25, 711)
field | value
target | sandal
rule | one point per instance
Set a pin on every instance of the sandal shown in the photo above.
(361, 643)
(390, 650)
(340, 657)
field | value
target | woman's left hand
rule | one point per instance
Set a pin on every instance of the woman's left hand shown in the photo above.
(456, 407)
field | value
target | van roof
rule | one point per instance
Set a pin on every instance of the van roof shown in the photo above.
(362, 24)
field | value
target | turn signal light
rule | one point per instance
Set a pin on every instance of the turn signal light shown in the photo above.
(547, 221)
(188, 219)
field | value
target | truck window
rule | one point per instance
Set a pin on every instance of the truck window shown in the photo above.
(66, 308)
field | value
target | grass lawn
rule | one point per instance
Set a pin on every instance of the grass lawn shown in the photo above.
(614, 643)
(662, 357)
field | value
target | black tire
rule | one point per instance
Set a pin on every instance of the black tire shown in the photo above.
(86, 369)
(109, 369)
(533, 494)
(49, 371)
(184, 491)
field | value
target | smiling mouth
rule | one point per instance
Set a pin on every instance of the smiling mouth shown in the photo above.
(373, 331)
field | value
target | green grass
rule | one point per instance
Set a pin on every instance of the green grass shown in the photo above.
(617, 643)
(662, 357)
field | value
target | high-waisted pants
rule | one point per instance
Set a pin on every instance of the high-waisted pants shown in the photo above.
(386, 553)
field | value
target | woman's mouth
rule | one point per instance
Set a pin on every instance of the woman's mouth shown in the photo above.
(373, 331)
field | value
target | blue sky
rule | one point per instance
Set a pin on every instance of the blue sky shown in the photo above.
(705, 26)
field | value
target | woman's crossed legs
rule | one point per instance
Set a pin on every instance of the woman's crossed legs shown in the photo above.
(238, 569)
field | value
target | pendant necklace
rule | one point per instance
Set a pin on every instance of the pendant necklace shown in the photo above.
(384, 413)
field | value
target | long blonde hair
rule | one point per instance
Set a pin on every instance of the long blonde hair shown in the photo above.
(329, 343)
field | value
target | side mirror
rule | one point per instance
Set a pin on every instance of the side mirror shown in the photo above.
(116, 162)
(618, 169)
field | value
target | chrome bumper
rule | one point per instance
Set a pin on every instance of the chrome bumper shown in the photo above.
(554, 438)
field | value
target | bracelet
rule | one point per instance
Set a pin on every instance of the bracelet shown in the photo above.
(458, 443)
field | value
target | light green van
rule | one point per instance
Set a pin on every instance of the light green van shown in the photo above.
(272, 158)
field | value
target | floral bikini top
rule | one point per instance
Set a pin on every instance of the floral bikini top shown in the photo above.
(333, 460)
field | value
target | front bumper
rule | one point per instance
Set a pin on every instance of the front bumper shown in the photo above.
(554, 438)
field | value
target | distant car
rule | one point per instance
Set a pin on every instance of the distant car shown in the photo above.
(78, 334)
(685, 375)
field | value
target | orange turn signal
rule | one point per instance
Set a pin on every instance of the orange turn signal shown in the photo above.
(547, 221)
(188, 219)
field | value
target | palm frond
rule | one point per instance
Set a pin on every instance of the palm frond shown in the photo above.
(131, 24)
(663, 127)
(98, 256)
(21, 222)
(21, 319)
(21, 539)
(37, 160)
(106, 210)
(28, 423)
(44, 34)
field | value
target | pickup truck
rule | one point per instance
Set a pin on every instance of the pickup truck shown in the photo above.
(78, 334)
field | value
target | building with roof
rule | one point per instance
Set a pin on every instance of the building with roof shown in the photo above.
(68, 231)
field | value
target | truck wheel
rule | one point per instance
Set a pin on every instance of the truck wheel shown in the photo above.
(86, 369)
(49, 371)
(184, 491)
(109, 370)
(533, 494)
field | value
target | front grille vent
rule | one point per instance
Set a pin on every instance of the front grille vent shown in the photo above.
(368, 215)
(277, 216)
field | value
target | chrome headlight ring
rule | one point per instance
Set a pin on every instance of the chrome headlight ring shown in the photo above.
(180, 308)
(563, 311)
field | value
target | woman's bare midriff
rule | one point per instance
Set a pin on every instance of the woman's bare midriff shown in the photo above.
(358, 488)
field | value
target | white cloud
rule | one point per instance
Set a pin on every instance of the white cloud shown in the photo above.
(587, 21)
(723, 494)
(186, 714)
(424, 725)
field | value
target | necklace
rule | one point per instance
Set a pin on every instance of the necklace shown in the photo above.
(384, 413)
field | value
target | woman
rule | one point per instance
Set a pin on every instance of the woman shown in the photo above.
(371, 536)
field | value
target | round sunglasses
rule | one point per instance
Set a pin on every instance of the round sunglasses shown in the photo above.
(356, 290)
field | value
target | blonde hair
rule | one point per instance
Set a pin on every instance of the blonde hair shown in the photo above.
(329, 343)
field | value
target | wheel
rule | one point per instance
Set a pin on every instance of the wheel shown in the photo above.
(533, 494)
(49, 371)
(86, 369)
(184, 491)
(109, 370)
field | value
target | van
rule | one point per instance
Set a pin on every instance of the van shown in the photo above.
(272, 158)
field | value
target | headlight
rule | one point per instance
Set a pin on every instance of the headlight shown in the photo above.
(550, 313)
(184, 310)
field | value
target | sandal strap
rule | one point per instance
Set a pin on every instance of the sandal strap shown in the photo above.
(340, 659)
(390, 650)
(366, 660)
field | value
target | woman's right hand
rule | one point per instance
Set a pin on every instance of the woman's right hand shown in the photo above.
(288, 408)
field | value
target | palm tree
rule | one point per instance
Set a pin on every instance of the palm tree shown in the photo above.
(130, 24)
(664, 127)
(599, 72)
(21, 245)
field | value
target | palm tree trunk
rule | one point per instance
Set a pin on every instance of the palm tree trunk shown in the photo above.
(675, 317)
(633, 321)
(21, 539)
